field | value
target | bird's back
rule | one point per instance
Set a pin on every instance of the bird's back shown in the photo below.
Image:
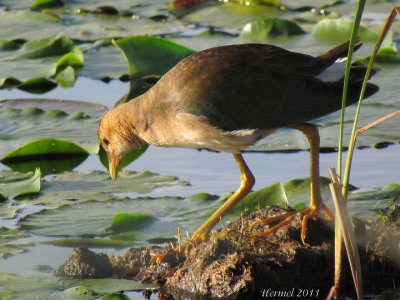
(258, 86)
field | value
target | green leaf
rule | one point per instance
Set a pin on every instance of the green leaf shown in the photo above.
(86, 20)
(66, 77)
(33, 128)
(46, 3)
(13, 185)
(37, 85)
(77, 188)
(386, 55)
(114, 296)
(48, 47)
(273, 195)
(10, 249)
(80, 292)
(90, 242)
(142, 54)
(202, 197)
(45, 147)
(8, 245)
(47, 165)
(226, 15)
(339, 30)
(8, 211)
(125, 221)
(373, 108)
(263, 30)
(44, 287)
(42, 59)
(128, 158)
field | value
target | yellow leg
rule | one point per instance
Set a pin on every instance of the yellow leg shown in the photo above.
(247, 182)
(316, 204)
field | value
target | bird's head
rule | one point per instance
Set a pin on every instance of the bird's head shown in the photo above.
(118, 138)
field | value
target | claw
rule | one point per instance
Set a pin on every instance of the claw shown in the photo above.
(273, 219)
(288, 217)
(312, 212)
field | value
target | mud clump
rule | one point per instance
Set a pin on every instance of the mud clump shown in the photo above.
(83, 263)
(234, 265)
(237, 263)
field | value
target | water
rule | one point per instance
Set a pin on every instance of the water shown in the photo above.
(211, 172)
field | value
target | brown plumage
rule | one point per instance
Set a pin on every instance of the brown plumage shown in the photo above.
(226, 99)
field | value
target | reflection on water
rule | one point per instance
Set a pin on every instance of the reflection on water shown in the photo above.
(53, 165)
(85, 89)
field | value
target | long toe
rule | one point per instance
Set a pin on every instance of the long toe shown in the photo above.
(275, 223)
(312, 212)
(278, 222)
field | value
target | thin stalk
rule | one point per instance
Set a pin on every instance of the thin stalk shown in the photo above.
(353, 39)
(348, 233)
(338, 233)
(382, 34)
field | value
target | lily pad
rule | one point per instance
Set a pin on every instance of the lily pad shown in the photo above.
(95, 186)
(167, 213)
(48, 127)
(41, 287)
(38, 4)
(76, 21)
(90, 242)
(273, 195)
(128, 158)
(103, 61)
(142, 53)
(46, 62)
(298, 190)
(339, 30)
(10, 249)
(14, 184)
(228, 15)
(366, 202)
(47, 165)
(94, 218)
(263, 30)
(8, 245)
(123, 221)
(289, 139)
(114, 296)
(387, 55)
(159, 217)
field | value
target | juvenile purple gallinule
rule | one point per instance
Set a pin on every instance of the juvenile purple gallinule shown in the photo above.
(228, 98)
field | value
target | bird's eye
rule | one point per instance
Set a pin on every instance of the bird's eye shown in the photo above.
(106, 142)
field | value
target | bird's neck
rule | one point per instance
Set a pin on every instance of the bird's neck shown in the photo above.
(132, 116)
(152, 117)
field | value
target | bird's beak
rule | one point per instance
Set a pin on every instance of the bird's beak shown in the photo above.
(114, 162)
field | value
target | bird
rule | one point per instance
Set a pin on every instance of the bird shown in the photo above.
(226, 99)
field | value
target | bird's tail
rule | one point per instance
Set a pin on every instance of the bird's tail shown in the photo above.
(339, 51)
(356, 78)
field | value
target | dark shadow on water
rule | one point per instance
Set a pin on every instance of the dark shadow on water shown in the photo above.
(48, 165)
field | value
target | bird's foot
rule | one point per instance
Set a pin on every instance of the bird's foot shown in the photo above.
(286, 218)
(312, 212)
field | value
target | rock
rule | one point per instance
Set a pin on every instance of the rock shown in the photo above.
(83, 263)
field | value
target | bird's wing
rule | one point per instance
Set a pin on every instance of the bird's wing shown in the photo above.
(249, 86)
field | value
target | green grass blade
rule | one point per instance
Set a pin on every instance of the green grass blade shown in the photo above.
(384, 31)
(353, 40)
